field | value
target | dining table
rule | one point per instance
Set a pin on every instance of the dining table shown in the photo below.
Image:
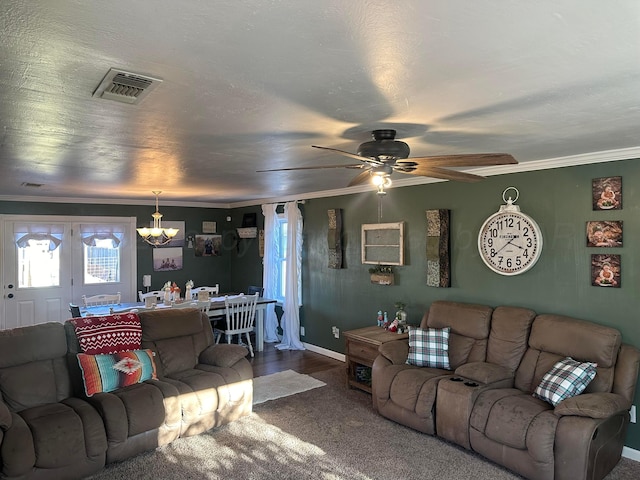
(216, 309)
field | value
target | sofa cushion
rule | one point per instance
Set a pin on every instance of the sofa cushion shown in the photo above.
(27, 344)
(223, 355)
(108, 334)
(579, 339)
(567, 378)
(429, 347)
(58, 435)
(469, 324)
(510, 327)
(35, 383)
(106, 373)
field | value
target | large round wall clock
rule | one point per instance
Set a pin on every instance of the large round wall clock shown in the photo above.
(510, 242)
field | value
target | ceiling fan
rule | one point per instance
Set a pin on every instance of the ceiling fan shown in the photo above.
(384, 155)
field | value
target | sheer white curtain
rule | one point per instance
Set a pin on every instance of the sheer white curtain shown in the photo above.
(293, 287)
(270, 272)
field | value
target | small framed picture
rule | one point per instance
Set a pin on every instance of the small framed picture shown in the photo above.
(605, 271)
(604, 233)
(208, 245)
(607, 193)
(208, 227)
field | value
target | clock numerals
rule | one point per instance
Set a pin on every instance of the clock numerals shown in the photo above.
(509, 243)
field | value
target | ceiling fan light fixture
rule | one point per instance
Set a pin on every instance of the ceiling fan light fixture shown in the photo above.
(384, 145)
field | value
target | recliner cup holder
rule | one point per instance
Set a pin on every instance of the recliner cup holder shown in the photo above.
(471, 384)
(456, 379)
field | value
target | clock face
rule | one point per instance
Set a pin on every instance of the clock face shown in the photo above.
(510, 243)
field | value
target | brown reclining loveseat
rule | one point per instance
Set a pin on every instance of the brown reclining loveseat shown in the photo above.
(487, 404)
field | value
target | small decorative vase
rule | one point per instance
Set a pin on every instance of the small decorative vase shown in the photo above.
(167, 296)
(187, 294)
(401, 315)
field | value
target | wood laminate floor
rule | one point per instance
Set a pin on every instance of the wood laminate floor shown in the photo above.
(272, 360)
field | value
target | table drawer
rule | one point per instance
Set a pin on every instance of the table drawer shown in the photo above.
(363, 351)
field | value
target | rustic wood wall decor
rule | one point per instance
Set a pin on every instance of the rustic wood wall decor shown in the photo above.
(334, 237)
(438, 256)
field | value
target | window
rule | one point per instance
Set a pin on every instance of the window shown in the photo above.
(101, 263)
(38, 254)
(281, 256)
(101, 253)
(38, 263)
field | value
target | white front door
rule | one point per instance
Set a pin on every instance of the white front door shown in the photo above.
(37, 271)
(45, 267)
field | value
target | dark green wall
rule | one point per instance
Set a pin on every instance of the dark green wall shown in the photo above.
(558, 199)
(202, 270)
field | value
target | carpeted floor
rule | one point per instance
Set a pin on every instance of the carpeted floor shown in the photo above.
(328, 433)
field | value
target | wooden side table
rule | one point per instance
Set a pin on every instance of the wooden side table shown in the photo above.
(362, 349)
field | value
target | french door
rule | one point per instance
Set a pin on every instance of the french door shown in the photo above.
(51, 261)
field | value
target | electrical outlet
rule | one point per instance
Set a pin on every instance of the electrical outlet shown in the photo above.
(302, 331)
(336, 332)
(632, 413)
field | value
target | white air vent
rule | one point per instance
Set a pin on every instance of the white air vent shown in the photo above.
(125, 87)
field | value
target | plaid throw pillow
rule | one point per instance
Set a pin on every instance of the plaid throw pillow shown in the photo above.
(429, 347)
(567, 378)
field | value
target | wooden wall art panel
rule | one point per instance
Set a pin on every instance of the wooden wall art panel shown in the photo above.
(438, 255)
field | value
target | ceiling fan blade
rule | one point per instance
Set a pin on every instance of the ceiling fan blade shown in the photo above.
(361, 178)
(445, 174)
(351, 155)
(464, 160)
(358, 165)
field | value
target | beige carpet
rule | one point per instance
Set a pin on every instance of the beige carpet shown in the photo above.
(282, 384)
(328, 433)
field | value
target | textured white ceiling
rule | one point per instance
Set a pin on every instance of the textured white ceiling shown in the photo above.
(251, 85)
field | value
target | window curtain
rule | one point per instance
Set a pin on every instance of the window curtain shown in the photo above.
(270, 272)
(293, 287)
(24, 232)
(91, 233)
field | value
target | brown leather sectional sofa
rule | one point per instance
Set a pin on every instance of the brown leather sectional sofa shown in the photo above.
(484, 403)
(49, 429)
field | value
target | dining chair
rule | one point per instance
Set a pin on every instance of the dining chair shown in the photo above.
(104, 299)
(210, 290)
(240, 318)
(254, 289)
(159, 295)
(74, 310)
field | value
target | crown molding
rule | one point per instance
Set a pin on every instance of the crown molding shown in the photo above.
(528, 166)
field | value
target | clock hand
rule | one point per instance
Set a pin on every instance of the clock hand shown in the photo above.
(500, 249)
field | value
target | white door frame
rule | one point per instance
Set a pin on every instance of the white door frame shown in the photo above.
(76, 290)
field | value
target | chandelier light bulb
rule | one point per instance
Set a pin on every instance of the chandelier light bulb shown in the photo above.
(157, 236)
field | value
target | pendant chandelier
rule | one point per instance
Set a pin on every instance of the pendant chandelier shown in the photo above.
(157, 235)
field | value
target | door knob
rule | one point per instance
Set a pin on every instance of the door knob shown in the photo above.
(10, 295)
(10, 285)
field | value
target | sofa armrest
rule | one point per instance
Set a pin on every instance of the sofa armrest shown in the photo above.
(5, 416)
(483, 372)
(593, 405)
(395, 351)
(223, 355)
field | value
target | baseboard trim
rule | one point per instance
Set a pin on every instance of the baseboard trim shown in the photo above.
(324, 351)
(631, 454)
(627, 452)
